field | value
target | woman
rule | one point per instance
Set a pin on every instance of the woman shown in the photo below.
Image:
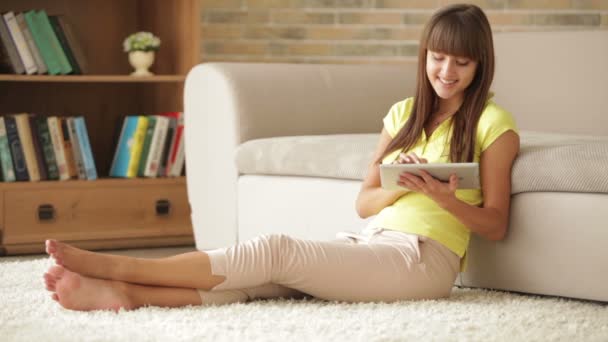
(415, 246)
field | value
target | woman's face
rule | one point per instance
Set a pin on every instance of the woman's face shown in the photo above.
(449, 75)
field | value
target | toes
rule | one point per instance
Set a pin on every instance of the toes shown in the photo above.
(54, 249)
(55, 297)
(49, 281)
(56, 271)
(51, 246)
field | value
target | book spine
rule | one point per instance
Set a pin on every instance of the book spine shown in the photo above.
(76, 149)
(58, 147)
(176, 144)
(27, 35)
(137, 146)
(145, 153)
(158, 142)
(178, 166)
(47, 148)
(43, 43)
(25, 136)
(12, 134)
(42, 169)
(162, 168)
(74, 43)
(64, 44)
(6, 67)
(68, 148)
(120, 163)
(85, 145)
(22, 49)
(43, 19)
(6, 161)
(11, 49)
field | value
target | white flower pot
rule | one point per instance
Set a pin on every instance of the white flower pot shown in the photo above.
(141, 61)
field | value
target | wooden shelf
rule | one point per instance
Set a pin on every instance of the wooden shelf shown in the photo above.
(93, 78)
(107, 212)
(101, 182)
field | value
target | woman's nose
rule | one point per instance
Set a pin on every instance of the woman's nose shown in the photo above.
(447, 68)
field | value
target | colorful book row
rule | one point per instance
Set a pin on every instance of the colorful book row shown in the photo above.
(150, 146)
(34, 148)
(33, 42)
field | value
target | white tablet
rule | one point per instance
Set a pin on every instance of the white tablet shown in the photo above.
(468, 173)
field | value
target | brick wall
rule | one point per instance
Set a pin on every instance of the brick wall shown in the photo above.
(362, 31)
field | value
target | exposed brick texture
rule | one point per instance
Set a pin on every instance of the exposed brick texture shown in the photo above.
(363, 31)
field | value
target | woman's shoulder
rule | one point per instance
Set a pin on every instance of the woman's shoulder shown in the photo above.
(494, 114)
(404, 106)
(494, 121)
(398, 115)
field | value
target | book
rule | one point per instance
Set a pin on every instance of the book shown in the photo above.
(15, 64)
(39, 153)
(85, 147)
(57, 140)
(25, 136)
(120, 162)
(6, 161)
(19, 40)
(70, 160)
(14, 143)
(27, 35)
(43, 43)
(74, 43)
(178, 166)
(137, 146)
(77, 151)
(45, 24)
(65, 45)
(145, 153)
(176, 161)
(47, 147)
(156, 146)
(6, 67)
(162, 167)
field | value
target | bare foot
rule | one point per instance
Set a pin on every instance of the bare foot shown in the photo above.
(97, 265)
(76, 292)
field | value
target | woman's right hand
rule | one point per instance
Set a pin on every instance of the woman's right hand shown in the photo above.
(409, 158)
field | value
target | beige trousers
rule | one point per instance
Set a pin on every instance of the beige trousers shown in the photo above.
(375, 265)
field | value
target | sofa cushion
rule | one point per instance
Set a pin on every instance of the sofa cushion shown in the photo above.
(546, 162)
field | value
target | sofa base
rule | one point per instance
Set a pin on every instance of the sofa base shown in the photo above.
(297, 206)
(553, 247)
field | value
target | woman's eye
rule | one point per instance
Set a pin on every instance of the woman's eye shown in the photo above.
(461, 63)
(438, 58)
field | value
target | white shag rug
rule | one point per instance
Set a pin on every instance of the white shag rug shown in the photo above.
(27, 313)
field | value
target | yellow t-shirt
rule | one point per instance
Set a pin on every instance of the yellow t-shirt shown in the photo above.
(417, 213)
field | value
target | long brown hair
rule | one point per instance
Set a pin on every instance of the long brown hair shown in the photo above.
(460, 30)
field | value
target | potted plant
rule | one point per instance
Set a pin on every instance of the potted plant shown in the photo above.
(141, 47)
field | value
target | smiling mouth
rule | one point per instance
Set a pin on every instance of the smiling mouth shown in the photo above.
(446, 82)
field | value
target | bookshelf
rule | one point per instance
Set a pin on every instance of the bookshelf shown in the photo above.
(104, 213)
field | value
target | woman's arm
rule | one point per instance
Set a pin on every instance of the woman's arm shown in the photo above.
(492, 219)
(372, 198)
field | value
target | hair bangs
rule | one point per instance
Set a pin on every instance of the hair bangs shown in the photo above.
(452, 36)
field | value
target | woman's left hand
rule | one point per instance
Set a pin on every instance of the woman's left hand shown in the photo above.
(440, 192)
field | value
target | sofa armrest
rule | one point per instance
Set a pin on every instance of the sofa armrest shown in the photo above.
(226, 104)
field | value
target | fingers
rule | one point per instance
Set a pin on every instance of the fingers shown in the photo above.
(453, 182)
(409, 158)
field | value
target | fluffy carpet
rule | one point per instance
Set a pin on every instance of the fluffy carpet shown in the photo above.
(27, 313)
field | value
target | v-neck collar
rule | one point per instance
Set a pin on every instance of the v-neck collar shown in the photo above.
(437, 129)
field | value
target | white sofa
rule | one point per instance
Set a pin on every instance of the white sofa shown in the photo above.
(263, 140)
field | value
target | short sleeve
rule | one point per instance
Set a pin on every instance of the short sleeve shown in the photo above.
(494, 121)
(397, 116)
